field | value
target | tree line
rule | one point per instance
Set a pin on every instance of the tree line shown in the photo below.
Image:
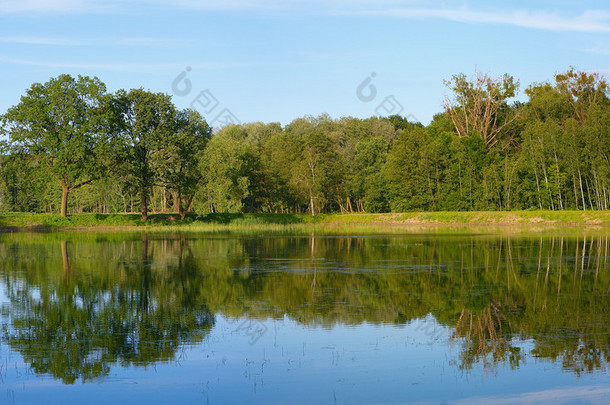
(116, 152)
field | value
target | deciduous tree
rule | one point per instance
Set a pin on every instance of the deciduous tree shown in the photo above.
(177, 158)
(145, 121)
(59, 124)
(480, 106)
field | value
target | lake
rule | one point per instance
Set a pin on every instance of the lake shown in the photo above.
(227, 319)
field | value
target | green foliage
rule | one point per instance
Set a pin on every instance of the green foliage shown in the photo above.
(134, 148)
(414, 170)
(228, 166)
(320, 173)
(25, 185)
(177, 157)
(59, 124)
(479, 106)
(145, 122)
(278, 156)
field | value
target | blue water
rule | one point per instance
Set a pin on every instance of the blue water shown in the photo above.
(277, 359)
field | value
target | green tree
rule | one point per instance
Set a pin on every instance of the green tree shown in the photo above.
(26, 185)
(178, 157)
(414, 171)
(480, 106)
(368, 182)
(363, 145)
(581, 90)
(320, 174)
(145, 123)
(59, 124)
(279, 154)
(564, 143)
(228, 166)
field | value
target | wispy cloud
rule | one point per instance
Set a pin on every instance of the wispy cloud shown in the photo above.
(598, 48)
(62, 41)
(586, 394)
(149, 42)
(103, 6)
(592, 21)
(121, 67)
(336, 55)
(229, 5)
(27, 40)
(589, 21)
(54, 6)
(127, 67)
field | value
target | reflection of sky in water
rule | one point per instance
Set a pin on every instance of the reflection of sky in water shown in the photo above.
(292, 363)
(3, 297)
(284, 361)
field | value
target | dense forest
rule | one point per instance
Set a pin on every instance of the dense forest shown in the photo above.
(69, 146)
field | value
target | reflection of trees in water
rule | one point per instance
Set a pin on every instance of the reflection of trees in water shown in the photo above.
(78, 329)
(487, 337)
(493, 291)
(555, 294)
(155, 292)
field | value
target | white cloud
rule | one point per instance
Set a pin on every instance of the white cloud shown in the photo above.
(598, 48)
(135, 67)
(53, 6)
(126, 67)
(587, 394)
(148, 42)
(593, 21)
(589, 21)
(62, 41)
(102, 6)
(26, 40)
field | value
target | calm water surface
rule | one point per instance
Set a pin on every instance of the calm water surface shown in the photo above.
(96, 318)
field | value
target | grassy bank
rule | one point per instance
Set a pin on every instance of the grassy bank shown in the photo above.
(397, 222)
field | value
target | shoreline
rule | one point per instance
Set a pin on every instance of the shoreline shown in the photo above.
(474, 221)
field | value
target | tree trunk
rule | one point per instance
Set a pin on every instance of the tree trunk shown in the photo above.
(598, 200)
(64, 201)
(582, 193)
(349, 205)
(313, 211)
(181, 210)
(558, 184)
(589, 193)
(144, 206)
(189, 205)
(548, 187)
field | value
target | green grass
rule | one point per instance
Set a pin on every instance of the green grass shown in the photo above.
(363, 222)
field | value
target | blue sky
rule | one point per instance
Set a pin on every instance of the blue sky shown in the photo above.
(274, 61)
